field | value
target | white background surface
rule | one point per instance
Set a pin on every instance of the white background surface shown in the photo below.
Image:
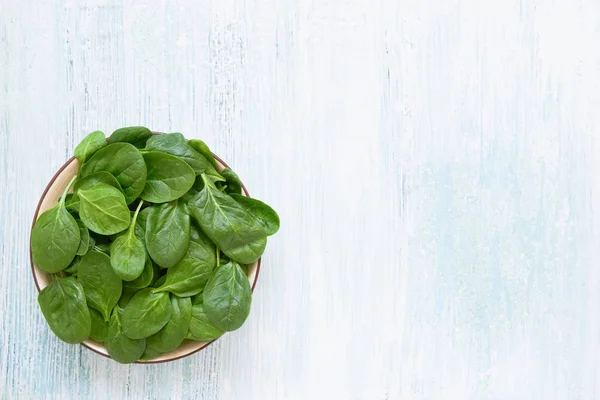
(434, 164)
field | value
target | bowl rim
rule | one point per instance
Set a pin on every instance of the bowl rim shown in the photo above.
(37, 285)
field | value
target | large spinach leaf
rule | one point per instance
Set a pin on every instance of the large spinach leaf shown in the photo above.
(189, 276)
(167, 233)
(89, 145)
(237, 233)
(261, 211)
(200, 326)
(103, 210)
(63, 305)
(175, 144)
(120, 347)
(227, 297)
(168, 179)
(127, 252)
(55, 238)
(136, 135)
(101, 285)
(124, 162)
(173, 333)
(99, 326)
(145, 314)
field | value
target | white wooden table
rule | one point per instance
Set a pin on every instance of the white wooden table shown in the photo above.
(434, 163)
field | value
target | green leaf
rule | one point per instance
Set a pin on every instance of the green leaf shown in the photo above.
(176, 145)
(103, 209)
(63, 305)
(189, 276)
(124, 162)
(72, 204)
(149, 354)
(136, 135)
(168, 179)
(120, 347)
(201, 328)
(74, 266)
(175, 331)
(167, 233)
(146, 314)
(160, 281)
(99, 326)
(127, 252)
(234, 185)
(101, 285)
(203, 149)
(237, 233)
(89, 145)
(94, 179)
(55, 238)
(84, 239)
(227, 297)
(261, 211)
(127, 295)
(146, 278)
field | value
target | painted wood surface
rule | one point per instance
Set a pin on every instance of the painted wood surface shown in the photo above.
(434, 164)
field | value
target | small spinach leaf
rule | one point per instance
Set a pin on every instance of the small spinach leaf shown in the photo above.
(101, 285)
(203, 149)
(234, 185)
(149, 354)
(84, 239)
(168, 179)
(127, 253)
(99, 326)
(167, 233)
(261, 211)
(136, 135)
(201, 328)
(227, 297)
(146, 314)
(146, 278)
(103, 209)
(63, 305)
(173, 333)
(89, 145)
(127, 295)
(120, 347)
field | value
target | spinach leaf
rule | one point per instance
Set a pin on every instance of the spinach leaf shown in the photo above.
(127, 252)
(103, 210)
(149, 354)
(55, 238)
(103, 248)
(203, 149)
(92, 180)
(74, 266)
(173, 333)
(168, 179)
(189, 276)
(227, 297)
(120, 347)
(261, 211)
(63, 305)
(127, 295)
(201, 328)
(160, 281)
(101, 285)
(234, 185)
(72, 204)
(125, 163)
(89, 145)
(99, 326)
(136, 135)
(146, 314)
(84, 239)
(146, 278)
(176, 145)
(237, 233)
(141, 222)
(167, 233)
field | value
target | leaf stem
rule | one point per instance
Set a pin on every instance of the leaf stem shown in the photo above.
(218, 256)
(64, 195)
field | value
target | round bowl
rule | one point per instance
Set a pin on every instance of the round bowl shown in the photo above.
(49, 199)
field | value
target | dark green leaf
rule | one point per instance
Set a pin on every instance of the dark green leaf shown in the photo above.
(261, 211)
(203, 149)
(146, 278)
(120, 347)
(167, 233)
(149, 354)
(201, 328)
(63, 305)
(227, 297)
(146, 314)
(101, 285)
(173, 333)
(55, 238)
(103, 209)
(84, 239)
(127, 253)
(99, 326)
(74, 266)
(72, 204)
(160, 281)
(92, 180)
(89, 145)
(127, 295)
(136, 135)
(125, 163)
(168, 179)
(237, 233)
(234, 185)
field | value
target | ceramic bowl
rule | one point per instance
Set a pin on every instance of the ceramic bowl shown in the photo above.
(49, 199)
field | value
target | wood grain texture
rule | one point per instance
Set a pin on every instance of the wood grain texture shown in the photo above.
(433, 163)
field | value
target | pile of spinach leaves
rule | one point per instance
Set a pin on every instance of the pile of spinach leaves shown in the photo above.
(148, 245)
